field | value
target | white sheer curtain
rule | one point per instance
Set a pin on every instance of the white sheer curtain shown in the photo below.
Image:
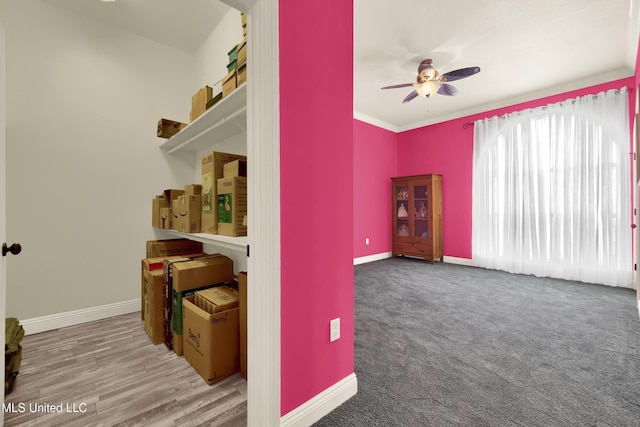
(551, 191)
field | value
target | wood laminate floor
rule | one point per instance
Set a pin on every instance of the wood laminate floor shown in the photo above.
(108, 373)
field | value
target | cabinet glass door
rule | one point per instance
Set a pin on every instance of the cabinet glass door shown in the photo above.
(420, 211)
(402, 211)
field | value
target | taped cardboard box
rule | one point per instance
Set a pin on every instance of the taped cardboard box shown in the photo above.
(211, 341)
(187, 213)
(215, 300)
(232, 206)
(212, 170)
(191, 276)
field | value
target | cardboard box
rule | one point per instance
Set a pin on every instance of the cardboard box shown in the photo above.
(168, 128)
(232, 206)
(211, 341)
(242, 53)
(172, 247)
(214, 100)
(154, 316)
(172, 194)
(191, 276)
(242, 306)
(167, 299)
(242, 74)
(235, 168)
(229, 83)
(211, 269)
(199, 102)
(150, 264)
(156, 205)
(187, 212)
(212, 170)
(215, 300)
(166, 218)
(193, 190)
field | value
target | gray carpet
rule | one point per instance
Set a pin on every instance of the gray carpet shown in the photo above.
(449, 345)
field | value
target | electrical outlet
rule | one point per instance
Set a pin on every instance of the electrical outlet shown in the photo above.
(334, 329)
(366, 241)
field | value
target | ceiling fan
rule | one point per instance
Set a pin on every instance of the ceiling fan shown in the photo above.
(429, 81)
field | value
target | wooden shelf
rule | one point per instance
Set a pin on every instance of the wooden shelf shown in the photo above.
(219, 123)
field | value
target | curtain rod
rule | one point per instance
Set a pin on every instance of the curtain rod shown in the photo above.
(572, 100)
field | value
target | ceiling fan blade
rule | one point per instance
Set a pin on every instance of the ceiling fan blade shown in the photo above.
(427, 63)
(447, 89)
(410, 96)
(459, 74)
(398, 86)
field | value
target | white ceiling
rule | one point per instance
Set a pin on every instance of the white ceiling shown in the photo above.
(182, 24)
(526, 49)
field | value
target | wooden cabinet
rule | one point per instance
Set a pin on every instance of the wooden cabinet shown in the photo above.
(417, 216)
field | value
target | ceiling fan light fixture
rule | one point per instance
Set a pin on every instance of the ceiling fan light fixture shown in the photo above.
(428, 88)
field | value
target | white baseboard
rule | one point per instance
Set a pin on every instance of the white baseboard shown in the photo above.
(460, 261)
(371, 258)
(385, 255)
(76, 317)
(325, 402)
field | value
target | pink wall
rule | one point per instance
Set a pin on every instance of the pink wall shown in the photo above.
(316, 190)
(447, 148)
(375, 161)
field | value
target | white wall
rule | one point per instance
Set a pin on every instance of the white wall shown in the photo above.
(83, 164)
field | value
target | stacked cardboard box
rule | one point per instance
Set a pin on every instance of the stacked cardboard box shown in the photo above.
(191, 276)
(179, 210)
(161, 209)
(151, 279)
(229, 83)
(212, 170)
(152, 307)
(211, 339)
(235, 168)
(187, 213)
(232, 206)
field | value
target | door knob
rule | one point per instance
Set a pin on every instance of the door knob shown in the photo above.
(14, 249)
